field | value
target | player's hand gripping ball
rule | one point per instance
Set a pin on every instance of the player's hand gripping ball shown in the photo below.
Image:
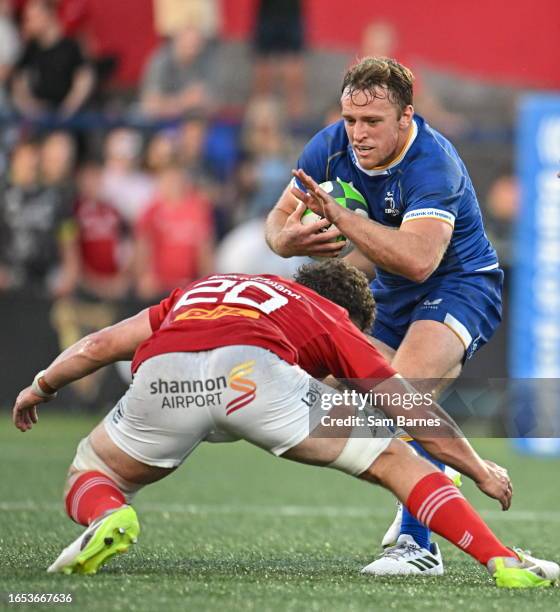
(347, 196)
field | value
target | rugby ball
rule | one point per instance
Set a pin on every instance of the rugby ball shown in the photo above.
(346, 195)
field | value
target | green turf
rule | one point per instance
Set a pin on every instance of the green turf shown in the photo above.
(236, 529)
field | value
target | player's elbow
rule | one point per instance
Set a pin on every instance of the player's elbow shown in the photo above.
(97, 348)
(419, 271)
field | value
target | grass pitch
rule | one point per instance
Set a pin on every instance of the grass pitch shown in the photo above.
(236, 529)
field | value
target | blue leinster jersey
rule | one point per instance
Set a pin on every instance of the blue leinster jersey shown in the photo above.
(427, 180)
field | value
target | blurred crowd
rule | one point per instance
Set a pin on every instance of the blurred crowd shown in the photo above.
(134, 208)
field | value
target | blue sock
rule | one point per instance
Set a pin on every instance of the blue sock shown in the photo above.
(410, 525)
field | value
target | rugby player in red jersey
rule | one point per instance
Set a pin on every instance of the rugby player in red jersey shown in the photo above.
(243, 354)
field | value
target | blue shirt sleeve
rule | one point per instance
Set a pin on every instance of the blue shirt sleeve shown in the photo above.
(433, 189)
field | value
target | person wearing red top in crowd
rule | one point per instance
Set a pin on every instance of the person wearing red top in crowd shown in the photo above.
(236, 353)
(102, 238)
(174, 236)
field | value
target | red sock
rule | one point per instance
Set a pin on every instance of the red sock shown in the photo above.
(436, 502)
(92, 494)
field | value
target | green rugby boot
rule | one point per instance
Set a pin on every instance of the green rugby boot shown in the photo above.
(527, 572)
(108, 535)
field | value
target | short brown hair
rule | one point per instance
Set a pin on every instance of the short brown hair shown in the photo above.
(373, 72)
(342, 284)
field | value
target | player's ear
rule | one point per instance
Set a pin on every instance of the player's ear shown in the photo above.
(406, 117)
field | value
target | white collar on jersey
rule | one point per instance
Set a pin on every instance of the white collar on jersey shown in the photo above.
(387, 167)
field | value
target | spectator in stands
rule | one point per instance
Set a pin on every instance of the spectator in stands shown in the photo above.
(204, 171)
(380, 39)
(104, 255)
(176, 80)
(9, 50)
(124, 185)
(174, 237)
(279, 43)
(210, 168)
(38, 247)
(266, 143)
(57, 162)
(58, 156)
(161, 150)
(52, 74)
(173, 15)
(501, 210)
(105, 250)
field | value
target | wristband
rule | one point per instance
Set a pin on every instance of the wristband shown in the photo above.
(41, 388)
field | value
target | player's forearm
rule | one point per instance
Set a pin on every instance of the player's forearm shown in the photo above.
(431, 426)
(447, 443)
(99, 349)
(402, 253)
(82, 358)
(458, 454)
(274, 223)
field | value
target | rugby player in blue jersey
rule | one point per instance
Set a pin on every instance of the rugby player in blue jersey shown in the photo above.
(438, 283)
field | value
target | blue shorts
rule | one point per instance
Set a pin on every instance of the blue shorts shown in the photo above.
(469, 303)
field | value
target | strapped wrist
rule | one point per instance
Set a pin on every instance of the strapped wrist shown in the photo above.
(41, 388)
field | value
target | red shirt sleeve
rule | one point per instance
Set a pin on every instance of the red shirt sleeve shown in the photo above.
(353, 356)
(159, 311)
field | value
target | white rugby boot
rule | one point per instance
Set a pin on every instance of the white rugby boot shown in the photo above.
(392, 534)
(407, 558)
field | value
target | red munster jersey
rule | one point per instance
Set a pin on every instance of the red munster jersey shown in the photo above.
(101, 231)
(276, 314)
(176, 235)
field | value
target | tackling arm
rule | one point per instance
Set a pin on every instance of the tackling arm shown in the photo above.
(444, 440)
(92, 352)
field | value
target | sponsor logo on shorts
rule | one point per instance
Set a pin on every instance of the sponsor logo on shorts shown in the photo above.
(238, 382)
(189, 393)
(312, 395)
(211, 314)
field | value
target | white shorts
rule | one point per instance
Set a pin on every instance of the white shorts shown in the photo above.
(178, 400)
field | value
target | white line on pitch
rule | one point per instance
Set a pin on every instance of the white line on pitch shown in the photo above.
(280, 510)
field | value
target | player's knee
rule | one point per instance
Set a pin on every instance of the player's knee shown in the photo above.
(359, 454)
(87, 460)
(384, 465)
